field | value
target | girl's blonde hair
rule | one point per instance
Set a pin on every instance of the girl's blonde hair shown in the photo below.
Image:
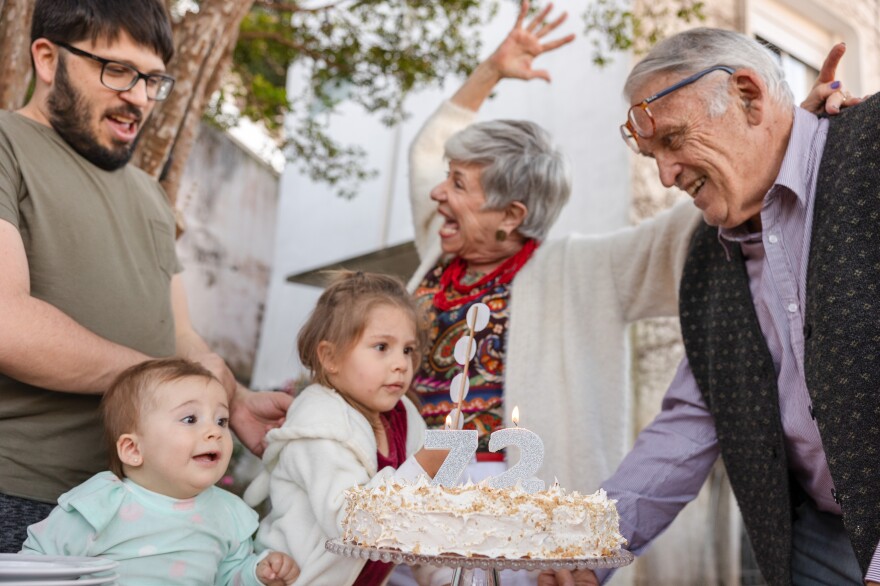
(340, 316)
(130, 396)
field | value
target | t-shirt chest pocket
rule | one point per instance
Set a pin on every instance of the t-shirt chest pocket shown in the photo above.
(163, 241)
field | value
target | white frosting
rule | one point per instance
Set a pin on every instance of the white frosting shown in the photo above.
(478, 520)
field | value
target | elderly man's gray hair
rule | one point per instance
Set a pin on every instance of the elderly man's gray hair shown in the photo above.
(701, 48)
(519, 162)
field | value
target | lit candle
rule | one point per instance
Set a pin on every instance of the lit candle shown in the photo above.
(531, 456)
(462, 445)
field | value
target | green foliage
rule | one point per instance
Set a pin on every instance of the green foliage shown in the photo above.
(624, 25)
(369, 52)
(374, 52)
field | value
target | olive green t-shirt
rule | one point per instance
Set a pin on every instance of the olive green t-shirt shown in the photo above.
(100, 247)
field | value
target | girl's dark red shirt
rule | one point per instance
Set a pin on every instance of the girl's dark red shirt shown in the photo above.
(375, 573)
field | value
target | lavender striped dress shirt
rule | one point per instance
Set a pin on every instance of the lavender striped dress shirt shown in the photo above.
(674, 454)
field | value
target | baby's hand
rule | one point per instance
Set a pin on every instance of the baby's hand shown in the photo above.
(277, 569)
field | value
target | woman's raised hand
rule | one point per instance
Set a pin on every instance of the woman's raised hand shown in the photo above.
(828, 95)
(513, 57)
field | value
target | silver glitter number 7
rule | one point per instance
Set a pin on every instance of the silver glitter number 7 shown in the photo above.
(462, 445)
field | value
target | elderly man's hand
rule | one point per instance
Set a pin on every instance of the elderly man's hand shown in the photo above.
(828, 95)
(513, 58)
(566, 578)
(252, 414)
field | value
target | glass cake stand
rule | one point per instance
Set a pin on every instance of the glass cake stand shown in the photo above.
(462, 565)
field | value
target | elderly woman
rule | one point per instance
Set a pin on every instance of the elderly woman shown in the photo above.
(556, 345)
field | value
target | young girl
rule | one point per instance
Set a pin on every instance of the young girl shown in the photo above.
(352, 426)
(158, 512)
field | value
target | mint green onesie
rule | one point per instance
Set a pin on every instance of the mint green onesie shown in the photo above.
(156, 539)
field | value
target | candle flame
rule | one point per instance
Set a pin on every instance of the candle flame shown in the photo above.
(515, 416)
(448, 421)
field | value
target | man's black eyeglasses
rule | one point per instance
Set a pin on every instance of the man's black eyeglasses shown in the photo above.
(121, 77)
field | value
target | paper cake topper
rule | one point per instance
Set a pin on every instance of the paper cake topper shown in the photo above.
(477, 318)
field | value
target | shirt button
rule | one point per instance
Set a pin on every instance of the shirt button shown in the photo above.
(773, 239)
(792, 307)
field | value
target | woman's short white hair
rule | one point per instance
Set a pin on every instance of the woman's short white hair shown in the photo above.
(701, 48)
(518, 162)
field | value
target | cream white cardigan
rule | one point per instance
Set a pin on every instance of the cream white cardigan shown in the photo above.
(568, 361)
(324, 448)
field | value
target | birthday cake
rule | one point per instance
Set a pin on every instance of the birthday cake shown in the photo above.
(477, 520)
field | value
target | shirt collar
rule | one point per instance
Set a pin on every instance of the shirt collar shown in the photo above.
(799, 167)
(800, 163)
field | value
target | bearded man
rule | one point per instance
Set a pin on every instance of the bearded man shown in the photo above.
(89, 277)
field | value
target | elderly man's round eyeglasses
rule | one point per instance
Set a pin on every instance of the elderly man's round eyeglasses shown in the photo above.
(640, 121)
(121, 77)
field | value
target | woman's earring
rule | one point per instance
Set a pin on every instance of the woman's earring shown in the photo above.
(500, 235)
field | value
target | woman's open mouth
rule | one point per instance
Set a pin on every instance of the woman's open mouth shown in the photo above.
(449, 228)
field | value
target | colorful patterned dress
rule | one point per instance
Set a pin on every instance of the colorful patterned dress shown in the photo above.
(483, 407)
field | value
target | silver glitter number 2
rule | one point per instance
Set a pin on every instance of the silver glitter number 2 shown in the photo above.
(531, 457)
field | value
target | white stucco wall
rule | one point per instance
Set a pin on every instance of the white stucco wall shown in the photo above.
(228, 198)
(582, 108)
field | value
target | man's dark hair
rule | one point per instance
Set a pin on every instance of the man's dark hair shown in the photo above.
(69, 21)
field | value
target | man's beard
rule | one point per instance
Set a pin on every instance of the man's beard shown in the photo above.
(70, 116)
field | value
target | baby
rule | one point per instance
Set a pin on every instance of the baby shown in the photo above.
(158, 512)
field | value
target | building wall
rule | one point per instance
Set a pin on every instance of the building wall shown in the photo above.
(229, 199)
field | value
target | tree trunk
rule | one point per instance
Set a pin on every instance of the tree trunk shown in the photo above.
(15, 56)
(173, 171)
(203, 44)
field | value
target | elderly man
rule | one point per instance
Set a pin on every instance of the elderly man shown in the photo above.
(89, 280)
(778, 307)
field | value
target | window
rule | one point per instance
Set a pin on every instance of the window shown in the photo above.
(800, 75)
(792, 31)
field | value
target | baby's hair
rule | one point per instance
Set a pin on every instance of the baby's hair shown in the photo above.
(340, 316)
(129, 396)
